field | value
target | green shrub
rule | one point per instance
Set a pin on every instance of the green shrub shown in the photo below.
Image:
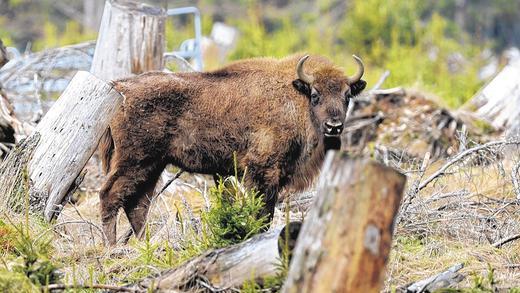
(234, 215)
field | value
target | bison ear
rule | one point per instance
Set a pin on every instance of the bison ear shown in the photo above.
(357, 87)
(302, 87)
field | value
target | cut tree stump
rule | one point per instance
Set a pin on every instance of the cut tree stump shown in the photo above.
(68, 135)
(131, 40)
(499, 101)
(346, 237)
(229, 267)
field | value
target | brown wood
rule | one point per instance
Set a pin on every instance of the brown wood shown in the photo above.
(68, 135)
(228, 267)
(346, 237)
(3, 54)
(130, 40)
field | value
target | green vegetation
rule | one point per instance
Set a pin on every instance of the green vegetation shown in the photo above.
(427, 52)
(234, 216)
(26, 260)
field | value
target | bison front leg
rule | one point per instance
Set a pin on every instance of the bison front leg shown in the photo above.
(127, 187)
(137, 210)
(266, 181)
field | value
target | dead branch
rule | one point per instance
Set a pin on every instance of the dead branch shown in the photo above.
(112, 288)
(439, 281)
(501, 242)
(461, 156)
(514, 178)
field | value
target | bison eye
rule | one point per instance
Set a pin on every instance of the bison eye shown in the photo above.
(315, 98)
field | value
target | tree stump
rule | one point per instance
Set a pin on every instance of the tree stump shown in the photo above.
(68, 135)
(346, 237)
(130, 41)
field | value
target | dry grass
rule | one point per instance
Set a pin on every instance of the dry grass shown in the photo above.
(458, 218)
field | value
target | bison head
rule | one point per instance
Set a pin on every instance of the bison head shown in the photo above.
(329, 92)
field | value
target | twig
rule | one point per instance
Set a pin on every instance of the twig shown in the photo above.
(501, 242)
(391, 91)
(514, 178)
(72, 222)
(93, 286)
(460, 156)
(381, 80)
(177, 175)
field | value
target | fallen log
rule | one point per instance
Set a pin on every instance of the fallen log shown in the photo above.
(227, 268)
(346, 237)
(499, 101)
(68, 135)
(442, 280)
(130, 40)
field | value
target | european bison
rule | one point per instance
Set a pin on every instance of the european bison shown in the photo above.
(278, 116)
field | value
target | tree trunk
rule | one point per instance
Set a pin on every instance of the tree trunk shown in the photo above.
(346, 237)
(68, 135)
(130, 41)
(228, 267)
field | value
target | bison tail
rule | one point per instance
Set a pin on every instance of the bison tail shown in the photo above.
(106, 148)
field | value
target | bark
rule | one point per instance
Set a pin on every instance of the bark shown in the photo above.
(3, 54)
(346, 237)
(228, 267)
(68, 135)
(130, 41)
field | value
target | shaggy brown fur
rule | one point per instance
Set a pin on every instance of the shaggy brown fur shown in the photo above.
(256, 108)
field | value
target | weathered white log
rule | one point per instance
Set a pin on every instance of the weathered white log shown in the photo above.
(228, 267)
(68, 135)
(130, 40)
(346, 237)
(444, 280)
(499, 101)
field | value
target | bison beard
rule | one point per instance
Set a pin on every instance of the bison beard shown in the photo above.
(278, 116)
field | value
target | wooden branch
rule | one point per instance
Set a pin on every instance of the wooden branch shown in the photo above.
(228, 267)
(130, 40)
(515, 173)
(381, 80)
(111, 288)
(440, 281)
(462, 155)
(346, 237)
(503, 241)
(68, 135)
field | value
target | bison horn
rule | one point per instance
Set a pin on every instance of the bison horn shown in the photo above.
(361, 69)
(301, 74)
